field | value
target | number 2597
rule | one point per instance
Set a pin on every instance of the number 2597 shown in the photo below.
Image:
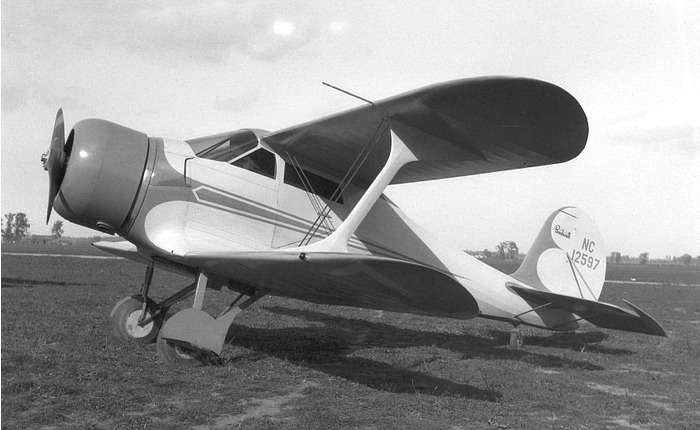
(585, 260)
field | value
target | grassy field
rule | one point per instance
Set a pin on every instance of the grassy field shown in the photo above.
(289, 364)
(667, 274)
(82, 248)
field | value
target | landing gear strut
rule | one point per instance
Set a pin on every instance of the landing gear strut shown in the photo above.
(130, 313)
(516, 337)
(139, 319)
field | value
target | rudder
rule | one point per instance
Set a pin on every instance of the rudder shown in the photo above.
(568, 256)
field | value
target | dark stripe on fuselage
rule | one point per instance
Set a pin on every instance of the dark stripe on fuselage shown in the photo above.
(232, 203)
(237, 202)
(241, 206)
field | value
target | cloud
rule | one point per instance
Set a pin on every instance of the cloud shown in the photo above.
(208, 31)
(14, 96)
(18, 93)
(283, 28)
(271, 34)
(240, 103)
(338, 27)
(673, 124)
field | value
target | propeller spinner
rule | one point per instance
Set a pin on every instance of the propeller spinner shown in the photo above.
(55, 161)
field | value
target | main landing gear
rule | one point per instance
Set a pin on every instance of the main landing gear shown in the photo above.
(137, 318)
(127, 315)
(189, 338)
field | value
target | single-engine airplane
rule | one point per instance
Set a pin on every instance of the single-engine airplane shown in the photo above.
(301, 213)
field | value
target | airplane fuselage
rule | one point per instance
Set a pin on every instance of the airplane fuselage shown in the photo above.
(191, 204)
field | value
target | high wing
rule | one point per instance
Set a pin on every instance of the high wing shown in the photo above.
(601, 314)
(346, 279)
(456, 128)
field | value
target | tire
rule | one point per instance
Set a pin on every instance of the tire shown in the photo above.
(125, 319)
(179, 356)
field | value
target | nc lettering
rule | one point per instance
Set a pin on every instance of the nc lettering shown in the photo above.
(588, 245)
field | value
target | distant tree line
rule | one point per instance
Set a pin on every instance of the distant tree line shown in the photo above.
(16, 228)
(506, 250)
(685, 259)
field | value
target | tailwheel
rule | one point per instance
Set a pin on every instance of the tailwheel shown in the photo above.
(516, 338)
(181, 354)
(126, 316)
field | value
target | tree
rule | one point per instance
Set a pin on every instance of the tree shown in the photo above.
(643, 258)
(57, 230)
(507, 250)
(501, 251)
(513, 249)
(16, 227)
(615, 257)
(21, 226)
(8, 232)
(685, 259)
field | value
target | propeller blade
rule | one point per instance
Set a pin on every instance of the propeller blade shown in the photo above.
(55, 161)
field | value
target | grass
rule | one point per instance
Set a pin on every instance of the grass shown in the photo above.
(290, 364)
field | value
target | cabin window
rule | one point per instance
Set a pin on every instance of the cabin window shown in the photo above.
(261, 161)
(224, 147)
(321, 186)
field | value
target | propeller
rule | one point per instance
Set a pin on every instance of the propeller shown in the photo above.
(55, 161)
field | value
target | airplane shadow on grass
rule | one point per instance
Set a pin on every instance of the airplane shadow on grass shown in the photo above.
(327, 349)
(575, 341)
(315, 348)
(30, 283)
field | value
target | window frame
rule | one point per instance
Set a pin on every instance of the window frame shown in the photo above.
(260, 172)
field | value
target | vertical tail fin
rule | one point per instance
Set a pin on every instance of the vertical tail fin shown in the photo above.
(568, 256)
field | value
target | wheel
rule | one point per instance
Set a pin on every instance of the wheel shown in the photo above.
(516, 338)
(125, 321)
(178, 355)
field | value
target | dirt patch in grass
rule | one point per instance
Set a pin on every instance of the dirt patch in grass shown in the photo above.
(289, 364)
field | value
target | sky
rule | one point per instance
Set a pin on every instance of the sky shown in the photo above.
(183, 69)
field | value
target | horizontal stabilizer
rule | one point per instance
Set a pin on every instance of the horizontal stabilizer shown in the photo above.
(601, 314)
(355, 280)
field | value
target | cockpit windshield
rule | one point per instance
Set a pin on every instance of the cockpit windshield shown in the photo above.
(224, 147)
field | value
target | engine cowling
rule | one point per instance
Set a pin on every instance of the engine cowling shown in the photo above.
(103, 170)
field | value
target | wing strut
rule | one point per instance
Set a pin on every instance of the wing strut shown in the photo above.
(347, 179)
(321, 210)
(399, 156)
